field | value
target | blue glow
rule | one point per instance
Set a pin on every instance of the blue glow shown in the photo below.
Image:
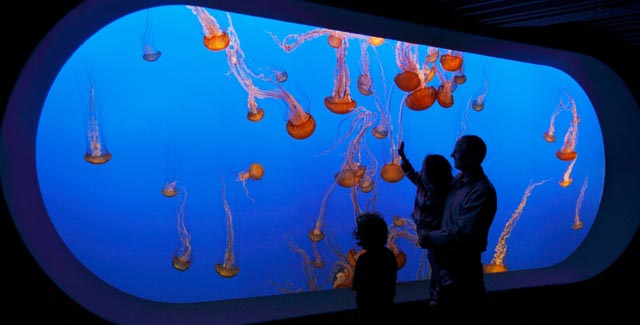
(185, 113)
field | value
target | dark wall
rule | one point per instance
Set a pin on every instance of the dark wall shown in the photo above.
(30, 295)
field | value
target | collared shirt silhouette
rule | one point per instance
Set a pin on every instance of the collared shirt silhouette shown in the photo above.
(469, 212)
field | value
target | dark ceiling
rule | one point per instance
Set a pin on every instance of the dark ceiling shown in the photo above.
(608, 30)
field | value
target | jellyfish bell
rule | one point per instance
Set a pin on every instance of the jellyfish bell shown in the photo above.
(364, 84)
(350, 177)
(391, 172)
(479, 106)
(444, 96)
(256, 171)
(376, 41)
(366, 185)
(318, 264)
(226, 271)
(549, 137)
(421, 98)
(151, 56)
(565, 182)
(216, 42)
(339, 106)
(334, 40)
(451, 62)
(432, 55)
(316, 235)
(255, 116)
(379, 131)
(459, 79)
(97, 159)
(181, 263)
(302, 130)
(494, 268)
(282, 76)
(398, 221)
(566, 155)
(407, 81)
(577, 225)
(169, 189)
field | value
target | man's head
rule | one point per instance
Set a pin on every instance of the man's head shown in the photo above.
(469, 152)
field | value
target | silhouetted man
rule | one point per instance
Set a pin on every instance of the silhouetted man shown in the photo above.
(468, 214)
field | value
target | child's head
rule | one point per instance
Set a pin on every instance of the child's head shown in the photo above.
(436, 169)
(371, 230)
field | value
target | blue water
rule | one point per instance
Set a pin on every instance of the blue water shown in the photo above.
(183, 117)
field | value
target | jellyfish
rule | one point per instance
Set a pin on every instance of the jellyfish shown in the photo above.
(568, 150)
(566, 178)
(407, 60)
(170, 187)
(300, 124)
(452, 60)
(376, 41)
(254, 172)
(478, 102)
(182, 256)
(459, 77)
(577, 222)
(352, 171)
(465, 119)
(340, 101)
(307, 263)
(149, 51)
(401, 257)
(317, 234)
(97, 152)
(444, 94)
(433, 53)
(228, 268)
(317, 262)
(391, 172)
(549, 136)
(497, 262)
(364, 79)
(215, 39)
(292, 41)
(421, 98)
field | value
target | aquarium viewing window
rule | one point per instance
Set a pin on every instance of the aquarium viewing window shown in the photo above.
(194, 159)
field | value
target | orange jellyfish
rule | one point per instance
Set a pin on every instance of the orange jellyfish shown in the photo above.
(364, 79)
(549, 136)
(182, 256)
(300, 124)
(97, 152)
(352, 171)
(317, 262)
(255, 113)
(444, 94)
(452, 60)
(568, 150)
(407, 61)
(459, 77)
(228, 268)
(254, 172)
(376, 41)
(215, 39)
(149, 51)
(421, 98)
(401, 257)
(497, 262)
(317, 234)
(433, 53)
(340, 101)
(292, 41)
(566, 178)
(577, 222)
(478, 102)
(170, 187)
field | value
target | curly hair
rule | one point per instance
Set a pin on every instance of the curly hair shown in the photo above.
(371, 230)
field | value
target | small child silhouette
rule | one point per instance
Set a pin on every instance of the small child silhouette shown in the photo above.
(376, 271)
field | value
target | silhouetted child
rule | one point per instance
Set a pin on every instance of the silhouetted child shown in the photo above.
(433, 183)
(376, 271)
